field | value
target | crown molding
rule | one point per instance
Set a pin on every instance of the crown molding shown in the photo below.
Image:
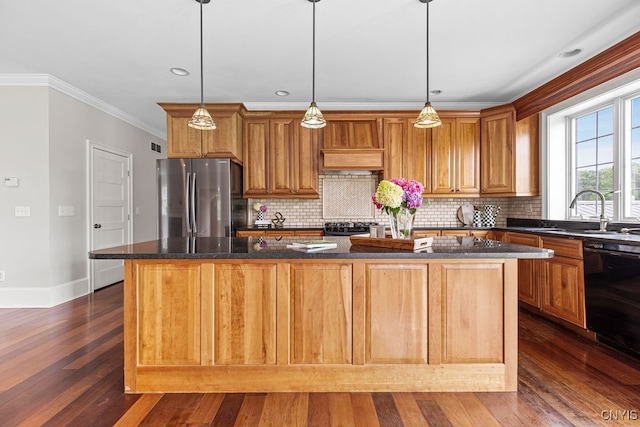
(47, 80)
(367, 106)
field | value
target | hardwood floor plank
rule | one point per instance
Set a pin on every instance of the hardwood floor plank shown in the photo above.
(433, 413)
(340, 410)
(465, 409)
(139, 410)
(285, 409)
(364, 411)
(251, 410)
(172, 410)
(386, 409)
(228, 410)
(408, 409)
(206, 409)
(318, 412)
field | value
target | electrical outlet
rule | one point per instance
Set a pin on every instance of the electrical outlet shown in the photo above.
(1, 275)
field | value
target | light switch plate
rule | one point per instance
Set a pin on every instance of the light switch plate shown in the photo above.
(23, 210)
(11, 182)
(1, 275)
(66, 211)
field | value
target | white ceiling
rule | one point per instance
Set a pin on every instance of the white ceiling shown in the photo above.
(370, 54)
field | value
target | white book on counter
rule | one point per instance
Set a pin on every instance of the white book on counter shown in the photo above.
(313, 245)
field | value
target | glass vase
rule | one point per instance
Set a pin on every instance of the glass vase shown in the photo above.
(401, 223)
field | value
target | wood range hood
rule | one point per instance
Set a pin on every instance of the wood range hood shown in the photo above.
(352, 143)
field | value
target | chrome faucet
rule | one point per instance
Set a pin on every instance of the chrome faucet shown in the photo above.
(603, 220)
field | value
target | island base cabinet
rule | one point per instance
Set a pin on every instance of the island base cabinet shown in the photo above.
(320, 325)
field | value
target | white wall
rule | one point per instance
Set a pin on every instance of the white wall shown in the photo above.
(43, 142)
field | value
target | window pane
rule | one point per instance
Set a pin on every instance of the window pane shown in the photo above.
(605, 121)
(586, 127)
(586, 178)
(635, 143)
(635, 112)
(605, 149)
(586, 153)
(605, 178)
(635, 189)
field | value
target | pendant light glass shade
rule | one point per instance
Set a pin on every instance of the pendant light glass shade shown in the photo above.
(428, 118)
(313, 118)
(201, 119)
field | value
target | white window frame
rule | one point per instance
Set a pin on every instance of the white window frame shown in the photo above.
(557, 144)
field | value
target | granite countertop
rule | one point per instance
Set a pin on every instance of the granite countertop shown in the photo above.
(572, 230)
(276, 248)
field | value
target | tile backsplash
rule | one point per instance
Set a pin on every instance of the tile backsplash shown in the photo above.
(435, 212)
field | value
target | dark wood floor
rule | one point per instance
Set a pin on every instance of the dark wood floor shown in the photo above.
(63, 367)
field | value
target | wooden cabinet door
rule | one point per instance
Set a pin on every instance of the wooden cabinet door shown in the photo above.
(467, 171)
(169, 314)
(472, 313)
(418, 155)
(528, 269)
(426, 233)
(182, 140)
(443, 162)
(244, 298)
(455, 157)
(396, 146)
(321, 314)
(563, 289)
(395, 297)
(497, 166)
(256, 153)
(226, 140)
(281, 156)
(306, 152)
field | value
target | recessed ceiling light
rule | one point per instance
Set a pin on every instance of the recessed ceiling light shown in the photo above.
(179, 71)
(570, 53)
(282, 92)
(435, 91)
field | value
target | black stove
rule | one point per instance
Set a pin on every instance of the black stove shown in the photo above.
(346, 228)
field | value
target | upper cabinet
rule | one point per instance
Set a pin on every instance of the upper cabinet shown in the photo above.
(352, 141)
(281, 158)
(509, 153)
(408, 151)
(186, 142)
(456, 157)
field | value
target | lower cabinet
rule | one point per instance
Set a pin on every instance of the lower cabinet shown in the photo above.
(319, 325)
(528, 269)
(562, 281)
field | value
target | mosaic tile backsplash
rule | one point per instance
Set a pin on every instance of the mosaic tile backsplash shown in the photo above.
(435, 212)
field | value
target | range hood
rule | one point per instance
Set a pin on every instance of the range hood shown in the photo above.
(371, 159)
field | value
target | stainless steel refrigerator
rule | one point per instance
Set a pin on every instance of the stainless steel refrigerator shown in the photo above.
(200, 198)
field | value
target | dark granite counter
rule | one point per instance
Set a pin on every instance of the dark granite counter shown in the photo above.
(276, 248)
(580, 230)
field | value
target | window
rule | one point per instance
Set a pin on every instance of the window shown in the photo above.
(592, 142)
(593, 160)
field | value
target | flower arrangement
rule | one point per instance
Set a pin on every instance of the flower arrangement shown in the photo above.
(397, 193)
(259, 207)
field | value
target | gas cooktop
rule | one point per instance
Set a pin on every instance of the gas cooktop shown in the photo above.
(346, 228)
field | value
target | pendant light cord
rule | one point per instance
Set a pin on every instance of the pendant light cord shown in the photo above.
(427, 33)
(313, 62)
(201, 61)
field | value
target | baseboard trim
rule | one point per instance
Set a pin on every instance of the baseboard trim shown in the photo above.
(43, 297)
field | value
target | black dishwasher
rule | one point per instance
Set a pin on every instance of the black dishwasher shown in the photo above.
(612, 293)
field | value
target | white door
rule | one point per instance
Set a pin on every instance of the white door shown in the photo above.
(110, 212)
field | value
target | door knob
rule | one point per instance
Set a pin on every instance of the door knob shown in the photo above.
(97, 225)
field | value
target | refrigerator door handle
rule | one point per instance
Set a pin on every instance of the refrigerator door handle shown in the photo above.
(194, 222)
(187, 204)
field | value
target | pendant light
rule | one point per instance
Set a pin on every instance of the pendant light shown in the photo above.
(201, 119)
(428, 117)
(313, 118)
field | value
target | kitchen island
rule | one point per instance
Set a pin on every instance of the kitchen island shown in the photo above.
(251, 315)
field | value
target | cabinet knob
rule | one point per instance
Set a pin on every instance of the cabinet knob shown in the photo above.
(97, 225)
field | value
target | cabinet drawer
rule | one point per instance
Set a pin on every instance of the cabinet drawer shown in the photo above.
(563, 247)
(523, 239)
